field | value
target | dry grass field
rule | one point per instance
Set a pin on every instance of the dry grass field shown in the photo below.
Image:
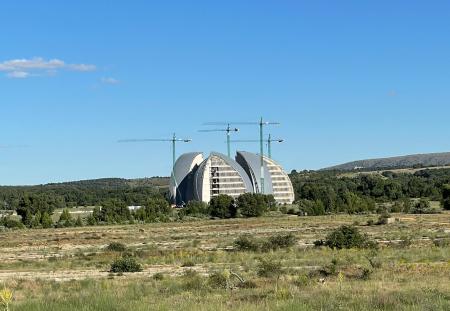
(67, 269)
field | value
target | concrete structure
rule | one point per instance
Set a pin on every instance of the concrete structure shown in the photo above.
(201, 179)
(276, 181)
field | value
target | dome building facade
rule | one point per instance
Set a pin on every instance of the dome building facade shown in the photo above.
(199, 179)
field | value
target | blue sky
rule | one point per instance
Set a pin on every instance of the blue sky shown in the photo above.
(347, 79)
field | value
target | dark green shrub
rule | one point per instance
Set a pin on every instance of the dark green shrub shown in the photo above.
(254, 204)
(125, 264)
(116, 247)
(383, 219)
(280, 241)
(65, 219)
(222, 206)
(443, 242)
(319, 243)
(283, 209)
(188, 263)
(246, 243)
(291, 211)
(423, 207)
(195, 208)
(158, 276)
(46, 221)
(11, 223)
(79, 222)
(348, 237)
(311, 208)
(446, 197)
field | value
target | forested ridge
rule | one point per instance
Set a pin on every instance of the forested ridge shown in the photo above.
(322, 192)
(83, 193)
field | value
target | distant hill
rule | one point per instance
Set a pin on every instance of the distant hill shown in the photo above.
(408, 161)
(115, 183)
(102, 184)
(84, 193)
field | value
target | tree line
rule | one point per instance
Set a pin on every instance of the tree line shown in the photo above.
(316, 193)
(327, 192)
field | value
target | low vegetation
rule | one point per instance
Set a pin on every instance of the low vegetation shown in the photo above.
(346, 237)
(125, 264)
(278, 241)
(228, 264)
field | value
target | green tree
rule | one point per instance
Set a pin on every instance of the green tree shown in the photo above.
(91, 220)
(97, 215)
(114, 211)
(222, 206)
(252, 204)
(37, 220)
(195, 208)
(46, 220)
(65, 219)
(446, 197)
(78, 222)
(28, 219)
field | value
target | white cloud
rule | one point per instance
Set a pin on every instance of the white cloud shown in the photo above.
(23, 68)
(18, 74)
(109, 80)
(82, 67)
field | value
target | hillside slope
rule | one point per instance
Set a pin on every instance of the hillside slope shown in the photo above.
(415, 160)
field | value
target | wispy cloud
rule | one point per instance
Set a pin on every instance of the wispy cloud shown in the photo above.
(18, 74)
(109, 80)
(38, 66)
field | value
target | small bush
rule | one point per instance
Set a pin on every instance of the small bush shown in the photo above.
(423, 207)
(192, 280)
(365, 274)
(247, 284)
(188, 263)
(269, 269)
(11, 223)
(218, 281)
(405, 242)
(302, 280)
(280, 241)
(291, 211)
(195, 208)
(348, 237)
(125, 264)
(116, 247)
(383, 219)
(319, 243)
(331, 269)
(441, 242)
(158, 276)
(373, 259)
(246, 243)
